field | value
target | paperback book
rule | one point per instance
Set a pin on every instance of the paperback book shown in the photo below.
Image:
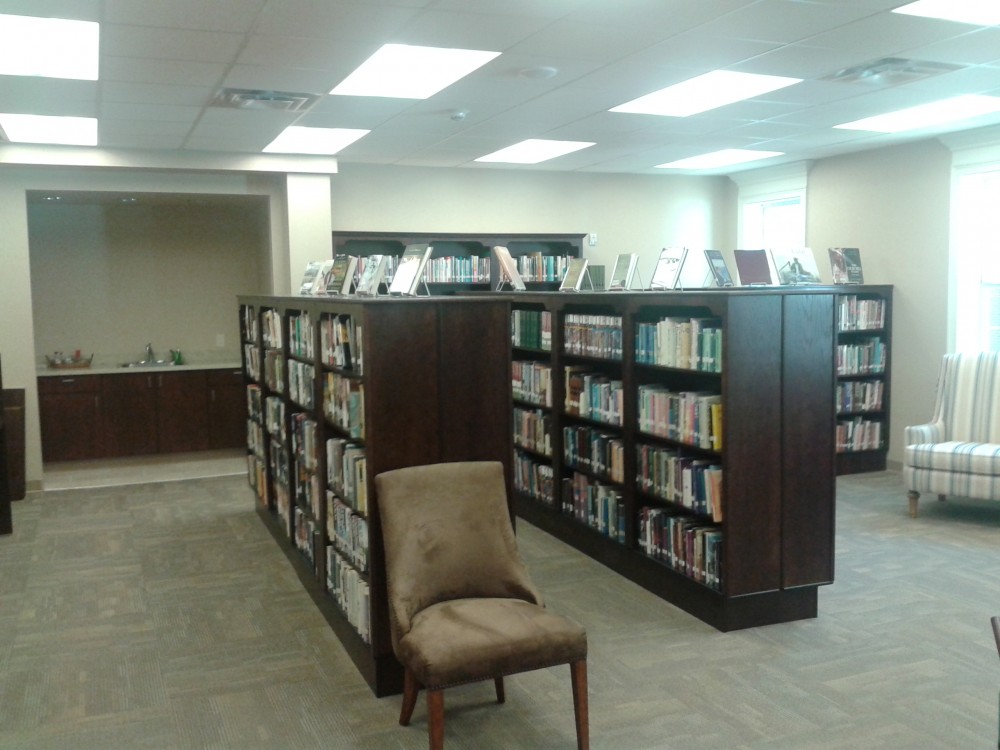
(668, 268)
(720, 271)
(576, 277)
(408, 274)
(845, 265)
(508, 269)
(624, 272)
(372, 275)
(753, 267)
(796, 266)
(341, 275)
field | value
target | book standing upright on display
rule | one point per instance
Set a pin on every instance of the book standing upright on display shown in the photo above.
(322, 279)
(372, 275)
(341, 276)
(720, 270)
(576, 277)
(408, 274)
(845, 265)
(624, 272)
(796, 266)
(508, 269)
(309, 276)
(753, 267)
(668, 268)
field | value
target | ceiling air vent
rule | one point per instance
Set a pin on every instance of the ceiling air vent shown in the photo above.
(891, 71)
(283, 101)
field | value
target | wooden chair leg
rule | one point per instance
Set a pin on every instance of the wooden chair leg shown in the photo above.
(410, 690)
(435, 718)
(501, 696)
(578, 675)
(913, 496)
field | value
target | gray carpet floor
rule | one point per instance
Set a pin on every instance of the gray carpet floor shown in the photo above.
(164, 616)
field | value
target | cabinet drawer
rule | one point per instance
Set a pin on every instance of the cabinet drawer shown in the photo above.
(223, 378)
(52, 384)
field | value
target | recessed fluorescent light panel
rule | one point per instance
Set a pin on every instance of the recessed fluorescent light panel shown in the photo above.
(978, 12)
(49, 47)
(724, 158)
(69, 131)
(927, 115)
(534, 150)
(404, 71)
(705, 92)
(317, 141)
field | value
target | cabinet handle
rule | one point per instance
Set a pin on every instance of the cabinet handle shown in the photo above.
(67, 380)
(213, 395)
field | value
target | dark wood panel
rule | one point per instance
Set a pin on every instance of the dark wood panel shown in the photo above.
(752, 444)
(227, 409)
(182, 412)
(70, 424)
(808, 427)
(128, 414)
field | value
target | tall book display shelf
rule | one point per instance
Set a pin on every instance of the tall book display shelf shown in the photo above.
(685, 440)
(864, 322)
(461, 261)
(340, 390)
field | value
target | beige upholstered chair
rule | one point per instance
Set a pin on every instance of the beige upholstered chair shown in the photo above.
(461, 604)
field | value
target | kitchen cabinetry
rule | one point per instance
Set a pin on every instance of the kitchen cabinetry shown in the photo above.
(69, 415)
(227, 409)
(128, 414)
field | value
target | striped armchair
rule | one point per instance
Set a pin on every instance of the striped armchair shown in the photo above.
(958, 452)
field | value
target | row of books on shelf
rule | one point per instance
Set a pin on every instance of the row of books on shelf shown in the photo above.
(534, 478)
(309, 489)
(694, 483)
(282, 504)
(469, 269)
(531, 329)
(255, 438)
(859, 395)
(594, 450)
(252, 361)
(257, 478)
(350, 591)
(274, 370)
(348, 530)
(866, 357)
(274, 417)
(304, 531)
(347, 472)
(341, 343)
(686, 343)
(595, 504)
(271, 329)
(533, 430)
(691, 417)
(300, 335)
(277, 462)
(249, 324)
(688, 545)
(858, 434)
(859, 313)
(344, 403)
(301, 377)
(593, 395)
(532, 382)
(255, 402)
(593, 335)
(305, 435)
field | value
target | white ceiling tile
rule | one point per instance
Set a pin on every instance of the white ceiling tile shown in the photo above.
(304, 52)
(77, 10)
(122, 40)
(974, 48)
(136, 111)
(209, 15)
(782, 21)
(333, 19)
(48, 96)
(279, 78)
(169, 72)
(144, 93)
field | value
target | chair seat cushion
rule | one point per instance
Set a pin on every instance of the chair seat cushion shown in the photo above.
(465, 640)
(954, 456)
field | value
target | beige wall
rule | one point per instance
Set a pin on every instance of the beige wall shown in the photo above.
(108, 277)
(894, 205)
(629, 213)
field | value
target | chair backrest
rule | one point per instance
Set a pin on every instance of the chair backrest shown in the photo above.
(968, 397)
(447, 534)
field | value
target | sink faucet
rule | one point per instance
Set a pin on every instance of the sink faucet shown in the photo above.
(149, 353)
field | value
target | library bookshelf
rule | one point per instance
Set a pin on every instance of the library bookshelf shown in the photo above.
(864, 322)
(461, 261)
(617, 441)
(342, 389)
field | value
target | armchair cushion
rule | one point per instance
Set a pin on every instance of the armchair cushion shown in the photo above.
(464, 639)
(953, 456)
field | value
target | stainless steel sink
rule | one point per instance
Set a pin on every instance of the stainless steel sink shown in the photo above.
(150, 363)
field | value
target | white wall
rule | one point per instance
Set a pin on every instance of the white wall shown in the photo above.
(894, 204)
(629, 213)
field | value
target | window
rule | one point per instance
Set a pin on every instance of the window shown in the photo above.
(772, 205)
(975, 259)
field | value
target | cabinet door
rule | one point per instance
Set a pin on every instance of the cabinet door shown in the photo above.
(227, 409)
(182, 404)
(128, 414)
(69, 419)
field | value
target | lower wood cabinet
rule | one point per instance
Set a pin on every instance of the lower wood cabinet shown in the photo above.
(140, 413)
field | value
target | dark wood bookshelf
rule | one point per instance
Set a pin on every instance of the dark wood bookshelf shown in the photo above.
(777, 455)
(6, 514)
(856, 461)
(436, 385)
(447, 244)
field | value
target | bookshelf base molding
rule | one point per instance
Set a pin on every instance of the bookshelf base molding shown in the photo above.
(861, 462)
(724, 614)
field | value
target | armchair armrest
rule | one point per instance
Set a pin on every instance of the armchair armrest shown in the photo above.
(932, 432)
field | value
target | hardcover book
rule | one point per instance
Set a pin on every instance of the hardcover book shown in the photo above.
(411, 267)
(322, 278)
(668, 268)
(508, 269)
(576, 274)
(341, 276)
(845, 265)
(720, 271)
(623, 272)
(796, 266)
(753, 267)
(372, 275)
(309, 276)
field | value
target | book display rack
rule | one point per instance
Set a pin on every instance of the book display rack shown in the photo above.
(685, 440)
(342, 389)
(864, 320)
(461, 262)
